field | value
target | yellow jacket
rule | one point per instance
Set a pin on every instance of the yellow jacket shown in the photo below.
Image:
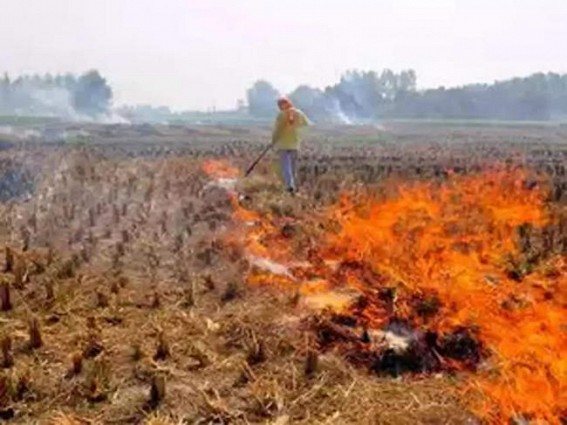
(285, 135)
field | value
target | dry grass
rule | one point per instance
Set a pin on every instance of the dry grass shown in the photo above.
(138, 314)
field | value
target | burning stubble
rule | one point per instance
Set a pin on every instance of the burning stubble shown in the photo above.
(429, 265)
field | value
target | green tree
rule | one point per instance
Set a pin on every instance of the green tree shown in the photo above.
(92, 95)
(262, 99)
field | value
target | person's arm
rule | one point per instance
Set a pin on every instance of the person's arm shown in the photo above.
(278, 127)
(303, 120)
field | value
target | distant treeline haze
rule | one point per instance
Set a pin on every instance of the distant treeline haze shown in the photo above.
(358, 97)
(64, 96)
(366, 96)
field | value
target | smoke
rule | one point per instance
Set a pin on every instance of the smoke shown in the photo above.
(58, 103)
(87, 97)
(19, 133)
(335, 112)
(113, 118)
(359, 97)
(55, 102)
(270, 266)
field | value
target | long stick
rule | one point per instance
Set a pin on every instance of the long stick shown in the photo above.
(264, 152)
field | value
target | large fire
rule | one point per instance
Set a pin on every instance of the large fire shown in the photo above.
(457, 270)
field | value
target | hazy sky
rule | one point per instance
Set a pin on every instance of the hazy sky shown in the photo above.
(200, 53)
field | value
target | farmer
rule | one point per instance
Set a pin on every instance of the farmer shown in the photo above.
(285, 139)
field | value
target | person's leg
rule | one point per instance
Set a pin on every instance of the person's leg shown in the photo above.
(286, 165)
(291, 170)
(293, 160)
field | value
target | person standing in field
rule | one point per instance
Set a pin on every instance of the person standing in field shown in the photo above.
(286, 140)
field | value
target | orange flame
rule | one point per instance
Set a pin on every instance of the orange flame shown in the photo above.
(456, 240)
(219, 169)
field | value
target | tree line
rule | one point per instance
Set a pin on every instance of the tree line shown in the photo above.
(369, 96)
(358, 97)
(64, 96)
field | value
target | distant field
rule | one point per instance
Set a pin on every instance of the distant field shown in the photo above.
(394, 137)
(24, 121)
(478, 123)
(230, 119)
